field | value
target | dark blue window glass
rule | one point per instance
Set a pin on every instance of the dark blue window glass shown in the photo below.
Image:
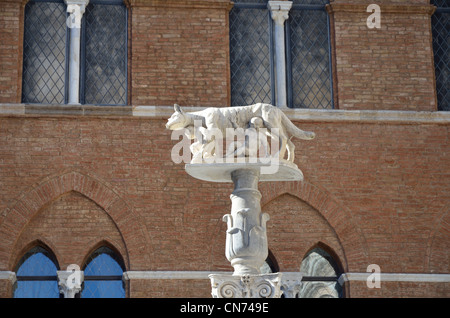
(36, 275)
(440, 22)
(103, 275)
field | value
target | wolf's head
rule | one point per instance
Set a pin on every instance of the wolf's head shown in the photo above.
(178, 119)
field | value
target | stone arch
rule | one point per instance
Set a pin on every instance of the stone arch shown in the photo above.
(330, 251)
(339, 217)
(29, 203)
(97, 245)
(37, 243)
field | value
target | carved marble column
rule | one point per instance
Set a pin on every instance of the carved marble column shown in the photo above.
(69, 282)
(76, 10)
(280, 12)
(246, 238)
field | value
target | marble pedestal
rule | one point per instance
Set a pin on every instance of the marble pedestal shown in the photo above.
(246, 238)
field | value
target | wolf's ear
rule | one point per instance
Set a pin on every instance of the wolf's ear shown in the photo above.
(177, 108)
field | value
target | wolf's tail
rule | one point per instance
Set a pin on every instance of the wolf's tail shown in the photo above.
(293, 130)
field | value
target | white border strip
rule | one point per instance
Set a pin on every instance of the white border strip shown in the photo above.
(12, 109)
(327, 115)
(396, 277)
(369, 116)
(8, 275)
(190, 275)
(169, 274)
(322, 115)
(345, 277)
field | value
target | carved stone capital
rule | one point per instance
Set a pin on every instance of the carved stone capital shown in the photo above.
(291, 284)
(69, 282)
(279, 10)
(76, 8)
(246, 286)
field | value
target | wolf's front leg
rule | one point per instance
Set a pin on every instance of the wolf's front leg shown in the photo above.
(209, 147)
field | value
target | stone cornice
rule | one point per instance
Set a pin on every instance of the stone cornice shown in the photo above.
(295, 276)
(407, 9)
(164, 112)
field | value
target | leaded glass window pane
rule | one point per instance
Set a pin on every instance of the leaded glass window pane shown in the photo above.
(36, 275)
(103, 275)
(105, 51)
(441, 46)
(250, 53)
(309, 56)
(44, 52)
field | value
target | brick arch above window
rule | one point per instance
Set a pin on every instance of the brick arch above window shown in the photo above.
(29, 203)
(338, 217)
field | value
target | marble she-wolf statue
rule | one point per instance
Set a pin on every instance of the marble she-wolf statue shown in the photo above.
(240, 117)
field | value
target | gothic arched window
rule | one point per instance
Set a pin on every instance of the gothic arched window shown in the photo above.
(270, 265)
(36, 275)
(103, 275)
(320, 275)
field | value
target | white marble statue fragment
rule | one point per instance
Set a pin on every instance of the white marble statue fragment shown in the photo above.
(257, 120)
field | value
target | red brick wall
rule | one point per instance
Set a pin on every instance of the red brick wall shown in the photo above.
(5, 288)
(180, 53)
(72, 226)
(11, 29)
(163, 288)
(374, 193)
(289, 241)
(358, 289)
(387, 68)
